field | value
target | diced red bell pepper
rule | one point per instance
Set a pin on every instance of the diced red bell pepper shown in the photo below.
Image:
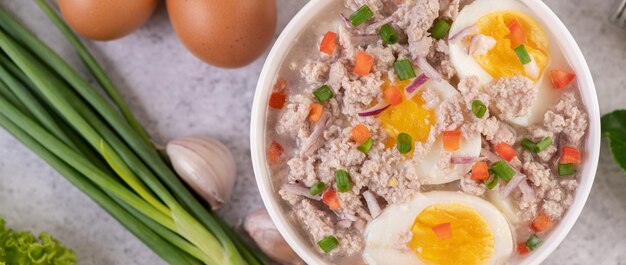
(452, 140)
(542, 222)
(518, 36)
(570, 155)
(480, 171)
(328, 43)
(443, 231)
(363, 63)
(561, 79)
(274, 152)
(331, 199)
(277, 100)
(522, 249)
(505, 151)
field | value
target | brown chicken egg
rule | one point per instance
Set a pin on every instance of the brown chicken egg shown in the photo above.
(106, 19)
(224, 33)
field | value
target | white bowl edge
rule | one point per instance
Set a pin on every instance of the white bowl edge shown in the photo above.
(280, 49)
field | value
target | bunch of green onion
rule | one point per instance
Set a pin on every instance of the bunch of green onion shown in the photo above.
(96, 143)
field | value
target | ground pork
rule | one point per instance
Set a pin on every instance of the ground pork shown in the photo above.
(439, 57)
(338, 74)
(346, 40)
(383, 57)
(512, 97)
(416, 18)
(470, 90)
(360, 93)
(302, 169)
(553, 197)
(449, 115)
(319, 224)
(449, 8)
(293, 118)
(315, 72)
(389, 177)
(492, 129)
(567, 117)
(470, 186)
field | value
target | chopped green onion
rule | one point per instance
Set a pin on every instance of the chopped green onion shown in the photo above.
(544, 144)
(479, 108)
(343, 180)
(522, 54)
(404, 69)
(538, 147)
(405, 143)
(367, 146)
(491, 182)
(361, 15)
(317, 188)
(566, 169)
(328, 243)
(388, 34)
(533, 242)
(323, 93)
(529, 145)
(503, 170)
(440, 29)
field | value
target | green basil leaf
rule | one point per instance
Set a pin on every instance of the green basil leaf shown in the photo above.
(614, 130)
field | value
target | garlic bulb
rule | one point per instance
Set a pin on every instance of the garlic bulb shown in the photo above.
(261, 228)
(206, 165)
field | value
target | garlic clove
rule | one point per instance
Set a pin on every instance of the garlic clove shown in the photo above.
(206, 165)
(261, 228)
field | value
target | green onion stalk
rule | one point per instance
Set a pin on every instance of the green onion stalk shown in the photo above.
(102, 149)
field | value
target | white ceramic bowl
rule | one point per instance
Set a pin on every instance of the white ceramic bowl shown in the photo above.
(304, 18)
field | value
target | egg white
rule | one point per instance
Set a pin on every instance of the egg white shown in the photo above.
(385, 235)
(466, 66)
(427, 169)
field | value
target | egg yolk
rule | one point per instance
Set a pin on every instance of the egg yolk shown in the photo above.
(471, 241)
(411, 117)
(501, 61)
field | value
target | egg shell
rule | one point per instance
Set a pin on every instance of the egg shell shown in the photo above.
(383, 234)
(106, 20)
(227, 34)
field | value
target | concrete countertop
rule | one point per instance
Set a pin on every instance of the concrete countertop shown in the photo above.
(173, 94)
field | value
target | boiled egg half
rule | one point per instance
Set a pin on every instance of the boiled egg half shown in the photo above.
(503, 26)
(444, 228)
(416, 118)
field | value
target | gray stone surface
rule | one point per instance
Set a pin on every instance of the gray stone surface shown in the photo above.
(174, 95)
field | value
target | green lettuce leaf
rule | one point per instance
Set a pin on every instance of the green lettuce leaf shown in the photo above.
(614, 129)
(23, 248)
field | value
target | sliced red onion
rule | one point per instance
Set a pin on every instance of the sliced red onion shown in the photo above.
(375, 26)
(380, 107)
(372, 204)
(492, 157)
(349, 216)
(513, 183)
(527, 191)
(428, 69)
(465, 160)
(412, 89)
(346, 20)
(314, 141)
(463, 32)
(344, 224)
(299, 190)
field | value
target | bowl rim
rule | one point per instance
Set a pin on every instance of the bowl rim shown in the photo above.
(280, 50)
